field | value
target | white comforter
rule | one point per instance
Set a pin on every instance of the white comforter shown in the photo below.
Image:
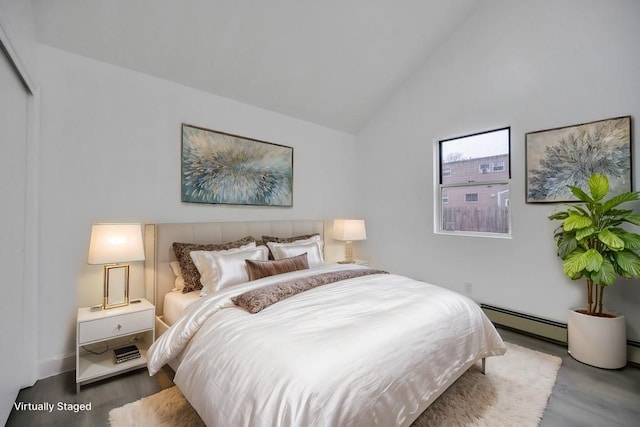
(362, 352)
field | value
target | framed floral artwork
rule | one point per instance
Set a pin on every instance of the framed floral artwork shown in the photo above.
(222, 168)
(557, 158)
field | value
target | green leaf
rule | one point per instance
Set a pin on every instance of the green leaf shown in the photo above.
(575, 263)
(594, 260)
(632, 218)
(598, 186)
(581, 195)
(559, 215)
(582, 233)
(606, 275)
(613, 218)
(631, 240)
(612, 213)
(576, 221)
(579, 210)
(610, 239)
(566, 244)
(618, 200)
(628, 261)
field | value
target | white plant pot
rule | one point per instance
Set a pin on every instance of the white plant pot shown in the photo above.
(598, 341)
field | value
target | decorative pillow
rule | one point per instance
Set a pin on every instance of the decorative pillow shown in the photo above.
(314, 236)
(206, 266)
(232, 269)
(260, 269)
(179, 282)
(288, 250)
(189, 271)
(303, 238)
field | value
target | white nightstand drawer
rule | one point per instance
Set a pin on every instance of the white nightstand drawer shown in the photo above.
(110, 327)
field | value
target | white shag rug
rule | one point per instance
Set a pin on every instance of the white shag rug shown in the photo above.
(514, 392)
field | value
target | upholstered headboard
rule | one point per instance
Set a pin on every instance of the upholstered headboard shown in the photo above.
(158, 276)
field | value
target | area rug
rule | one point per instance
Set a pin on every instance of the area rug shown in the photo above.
(514, 392)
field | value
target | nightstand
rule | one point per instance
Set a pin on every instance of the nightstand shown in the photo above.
(99, 332)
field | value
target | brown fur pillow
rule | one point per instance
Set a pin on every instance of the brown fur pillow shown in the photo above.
(288, 239)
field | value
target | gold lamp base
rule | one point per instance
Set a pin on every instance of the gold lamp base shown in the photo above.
(116, 286)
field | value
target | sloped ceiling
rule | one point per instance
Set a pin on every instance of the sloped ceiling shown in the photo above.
(330, 62)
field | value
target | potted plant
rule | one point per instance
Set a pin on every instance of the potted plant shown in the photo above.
(593, 246)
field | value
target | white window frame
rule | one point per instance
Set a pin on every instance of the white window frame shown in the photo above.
(440, 228)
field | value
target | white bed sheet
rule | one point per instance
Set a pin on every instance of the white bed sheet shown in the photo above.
(368, 351)
(176, 304)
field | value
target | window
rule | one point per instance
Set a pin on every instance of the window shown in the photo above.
(471, 197)
(474, 183)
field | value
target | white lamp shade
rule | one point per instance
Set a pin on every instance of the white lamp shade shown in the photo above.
(349, 229)
(113, 243)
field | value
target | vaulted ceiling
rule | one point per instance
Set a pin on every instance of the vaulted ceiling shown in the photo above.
(330, 62)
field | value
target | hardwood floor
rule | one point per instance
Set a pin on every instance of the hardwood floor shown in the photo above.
(103, 395)
(582, 396)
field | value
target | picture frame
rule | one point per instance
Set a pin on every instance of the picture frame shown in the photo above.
(222, 168)
(569, 155)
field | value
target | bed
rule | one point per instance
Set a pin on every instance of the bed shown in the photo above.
(330, 345)
(175, 305)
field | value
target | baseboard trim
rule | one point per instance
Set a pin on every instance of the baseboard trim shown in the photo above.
(546, 329)
(538, 326)
(56, 365)
(633, 352)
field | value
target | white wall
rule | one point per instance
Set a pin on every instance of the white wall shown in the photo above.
(18, 190)
(13, 149)
(529, 65)
(110, 151)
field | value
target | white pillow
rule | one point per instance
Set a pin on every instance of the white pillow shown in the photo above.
(206, 266)
(315, 238)
(232, 269)
(313, 248)
(179, 282)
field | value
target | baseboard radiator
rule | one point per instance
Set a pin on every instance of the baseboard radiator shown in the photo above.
(543, 328)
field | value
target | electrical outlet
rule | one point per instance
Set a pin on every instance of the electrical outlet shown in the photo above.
(468, 288)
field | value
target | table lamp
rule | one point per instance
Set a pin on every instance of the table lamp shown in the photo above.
(112, 245)
(349, 230)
